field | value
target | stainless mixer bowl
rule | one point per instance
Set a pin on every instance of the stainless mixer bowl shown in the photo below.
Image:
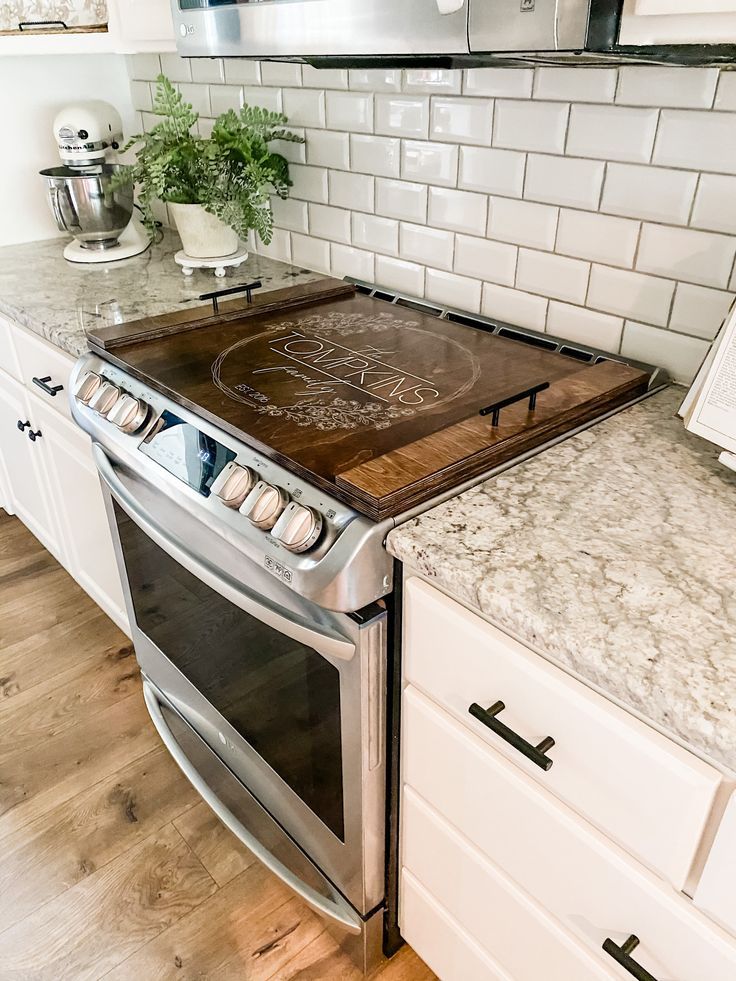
(86, 206)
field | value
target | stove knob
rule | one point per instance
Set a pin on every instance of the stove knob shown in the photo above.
(233, 484)
(87, 386)
(128, 414)
(298, 528)
(264, 505)
(104, 398)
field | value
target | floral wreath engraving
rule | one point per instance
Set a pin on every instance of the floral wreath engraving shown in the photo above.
(337, 414)
(345, 324)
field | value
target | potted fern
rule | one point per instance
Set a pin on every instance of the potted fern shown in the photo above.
(217, 188)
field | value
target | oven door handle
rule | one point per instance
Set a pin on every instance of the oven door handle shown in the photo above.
(333, 908)
(323, 643)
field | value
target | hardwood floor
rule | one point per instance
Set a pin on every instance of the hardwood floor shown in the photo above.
(110, 865)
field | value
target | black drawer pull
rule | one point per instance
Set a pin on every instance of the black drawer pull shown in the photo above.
(34, 436)
(534, 753)
(622, 956)
(22, 426)
(43, 383)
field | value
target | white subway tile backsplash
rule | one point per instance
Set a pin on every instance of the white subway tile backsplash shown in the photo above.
(598, 237)
(347, 261)
(539, 126)
(523, 223)
(310, 252)
(726, 93)
(143, 66)
(564, 180)
(494, 262)
(630, 294)
(310, 183)
(375, 79)
(294, 152)
(304, 107)
(376, 155)
(267, 98)
(680, 355)
(432, 163)
(290, 213)
(575, 84)
(443, 80)
(327, 149)
(453, 291)
(224, 97)
(648, 192)
(459, 211)
(552, 275)
(330, 223)
(406, 277)
(239, 71)
(355, 191)
(462, 120)
(699, 311)
(612, 133)
(430, 246)
(279, 246)
(506, 83)
(401, 199)
(715, 204)
(376, 234)
(198, 97)
(584, 326)
(686, 254)
(352, 111)
(402, 115)
(324, 78)
(281, 73)
(513, 306)
(697, 141)
(651, 85)
(493, 171)
(140, 93)
(208, 70)
(175, 68)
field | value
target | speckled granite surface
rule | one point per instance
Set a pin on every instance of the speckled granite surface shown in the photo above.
(615, 553)
(57, 299)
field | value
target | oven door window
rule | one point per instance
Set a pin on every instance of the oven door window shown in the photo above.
(281, 696)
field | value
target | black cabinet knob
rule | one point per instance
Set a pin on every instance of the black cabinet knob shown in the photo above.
(34, 436)
(22, 426)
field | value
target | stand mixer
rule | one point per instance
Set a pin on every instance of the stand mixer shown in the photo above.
(81, 193)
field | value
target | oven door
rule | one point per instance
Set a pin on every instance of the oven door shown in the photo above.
(288, 696)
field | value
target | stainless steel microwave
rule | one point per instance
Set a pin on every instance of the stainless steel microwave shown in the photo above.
(396, 31)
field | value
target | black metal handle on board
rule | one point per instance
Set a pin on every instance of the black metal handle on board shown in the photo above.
(22, 426)
(534, 753)
(35, 25)
(622, 956)
(494, 410)
(34, 436)
(217, 295)
(43, 384)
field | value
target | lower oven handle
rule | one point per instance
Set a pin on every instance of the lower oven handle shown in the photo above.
(336, 909)
(324, 643)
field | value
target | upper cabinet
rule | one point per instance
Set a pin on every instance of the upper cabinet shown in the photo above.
(86, 26)
(647, 22)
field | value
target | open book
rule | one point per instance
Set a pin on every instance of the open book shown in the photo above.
(709, 409)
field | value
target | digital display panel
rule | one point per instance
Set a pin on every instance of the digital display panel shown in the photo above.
(185, 452)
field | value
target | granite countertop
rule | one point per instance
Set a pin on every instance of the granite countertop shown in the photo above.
(58, 300)
(614, 553)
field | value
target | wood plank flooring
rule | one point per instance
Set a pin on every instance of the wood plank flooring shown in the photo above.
(110, 865)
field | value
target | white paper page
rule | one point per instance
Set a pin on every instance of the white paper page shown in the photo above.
(714, 415)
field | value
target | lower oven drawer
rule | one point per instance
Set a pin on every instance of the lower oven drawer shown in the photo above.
(498, 915)
(593, 888)
(439, 940)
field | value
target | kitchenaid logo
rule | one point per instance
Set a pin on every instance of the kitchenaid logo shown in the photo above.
(362, 370)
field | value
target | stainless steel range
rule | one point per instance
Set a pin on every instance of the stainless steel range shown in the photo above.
(262, 600)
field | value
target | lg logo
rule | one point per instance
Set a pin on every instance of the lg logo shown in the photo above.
(186, 30)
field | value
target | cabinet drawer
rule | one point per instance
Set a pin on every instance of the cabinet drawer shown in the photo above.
(40, 360)
(501, 918)
(593, 888)
(8, 357)
(619, 773)
(439, 940)
(716, 892)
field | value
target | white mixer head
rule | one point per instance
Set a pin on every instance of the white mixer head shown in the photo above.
(86, 132)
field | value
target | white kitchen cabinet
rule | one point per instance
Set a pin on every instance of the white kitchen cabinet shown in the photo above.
(650, 22)
(141, 25)
(24, 472)
(716, 892)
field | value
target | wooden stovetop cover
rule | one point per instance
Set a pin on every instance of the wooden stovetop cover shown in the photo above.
(376, 403)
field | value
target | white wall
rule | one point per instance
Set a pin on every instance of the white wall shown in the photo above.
(32, 90)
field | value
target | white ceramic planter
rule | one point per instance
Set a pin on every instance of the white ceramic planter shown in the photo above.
(203, 235)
